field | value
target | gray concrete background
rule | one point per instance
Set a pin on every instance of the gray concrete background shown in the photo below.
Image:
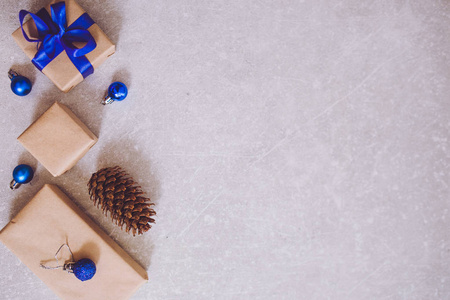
(295, 149)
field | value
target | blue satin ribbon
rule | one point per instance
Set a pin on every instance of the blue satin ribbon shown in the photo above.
(55, 37)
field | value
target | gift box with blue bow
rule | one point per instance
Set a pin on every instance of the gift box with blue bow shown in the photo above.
(63, 42)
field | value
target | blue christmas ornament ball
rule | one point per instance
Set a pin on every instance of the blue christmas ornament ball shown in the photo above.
(20, 85)
(117, 91)
(84, 269)
(23, 174)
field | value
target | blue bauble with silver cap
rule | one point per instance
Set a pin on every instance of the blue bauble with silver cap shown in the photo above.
(20, 85)
(21, 174)
(117, 91)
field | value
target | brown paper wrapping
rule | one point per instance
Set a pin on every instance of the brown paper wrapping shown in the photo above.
(58, 139)
(61, 70)
(51, 219)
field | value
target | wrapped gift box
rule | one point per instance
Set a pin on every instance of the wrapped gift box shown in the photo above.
(51, 219)
(58, 139)
(61, 70)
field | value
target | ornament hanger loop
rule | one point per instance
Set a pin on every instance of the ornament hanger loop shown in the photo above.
(83, 269)
(67, 266)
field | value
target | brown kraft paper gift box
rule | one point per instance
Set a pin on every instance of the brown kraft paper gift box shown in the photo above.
(61, 70)
(58, 139)
(51, 219)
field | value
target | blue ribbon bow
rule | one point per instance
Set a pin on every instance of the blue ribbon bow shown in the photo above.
(54, 37)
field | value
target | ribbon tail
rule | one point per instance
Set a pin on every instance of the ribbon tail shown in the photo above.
(82, 64)
(77, 31)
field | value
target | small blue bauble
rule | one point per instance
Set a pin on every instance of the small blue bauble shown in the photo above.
(20, 85)
(23, 174)
(84, 269)
(117, 91)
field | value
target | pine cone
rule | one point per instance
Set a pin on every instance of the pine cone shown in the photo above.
(116, 192)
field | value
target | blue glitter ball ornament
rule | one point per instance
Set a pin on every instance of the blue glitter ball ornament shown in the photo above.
(117, 91)
(20, 85)
(84, 269)
(21, 174)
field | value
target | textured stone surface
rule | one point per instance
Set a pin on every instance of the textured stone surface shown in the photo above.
(295, 149)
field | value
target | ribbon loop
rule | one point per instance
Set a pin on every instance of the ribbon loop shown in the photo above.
(54, 37)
